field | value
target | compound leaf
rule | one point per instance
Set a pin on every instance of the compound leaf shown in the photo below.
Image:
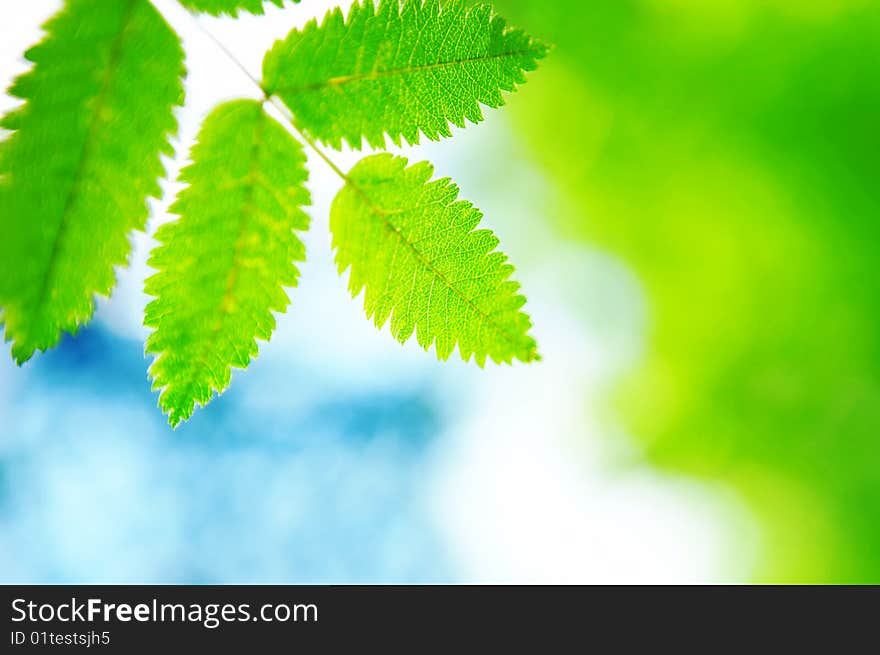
(231, 7)
(413, 246)
(83, 157)
(398, 70)
(223, 264)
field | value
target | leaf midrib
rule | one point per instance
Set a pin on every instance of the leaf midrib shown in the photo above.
(232, 276)
(85, 156)
(382, 214)
(342, 80)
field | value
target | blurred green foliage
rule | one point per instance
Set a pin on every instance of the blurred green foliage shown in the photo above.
(728, 151)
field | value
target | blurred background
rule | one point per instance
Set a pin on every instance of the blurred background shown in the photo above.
(690, 193)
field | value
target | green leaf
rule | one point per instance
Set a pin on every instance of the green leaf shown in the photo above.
(232, 7)
(413, 247)
(223, 264)
(83, 157)
(398, 70)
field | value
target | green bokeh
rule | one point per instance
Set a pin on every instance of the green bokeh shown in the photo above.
(729, 151)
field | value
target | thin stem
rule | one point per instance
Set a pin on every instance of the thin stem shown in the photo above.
(288, 116)
(274, 100)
